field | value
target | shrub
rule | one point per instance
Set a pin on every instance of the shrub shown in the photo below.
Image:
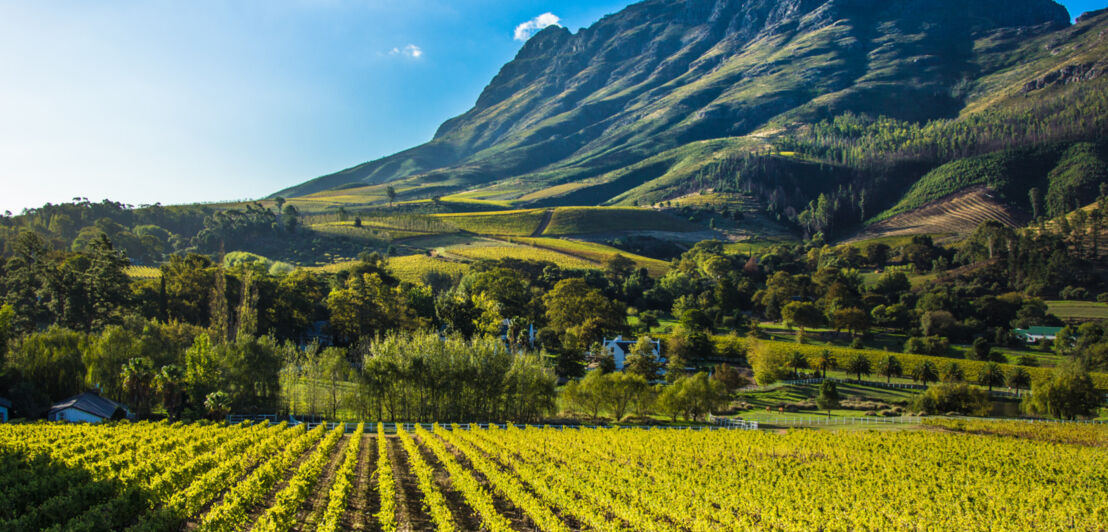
(953, 397)
(927, 345)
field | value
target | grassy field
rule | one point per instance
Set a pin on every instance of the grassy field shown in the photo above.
(597, 253)
(1078, 310)
(504, 223)
(412, 268)
(589, 220)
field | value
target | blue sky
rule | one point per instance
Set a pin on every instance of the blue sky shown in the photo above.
(146, 101)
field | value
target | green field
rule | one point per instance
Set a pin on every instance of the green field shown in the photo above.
(1078, 310)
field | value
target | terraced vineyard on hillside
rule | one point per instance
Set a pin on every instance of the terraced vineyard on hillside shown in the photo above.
(958, 213)
(156, 476)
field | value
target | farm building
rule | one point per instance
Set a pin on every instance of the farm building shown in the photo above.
(5, 409)
(87, 408)
(620, 348)
(1034, 335)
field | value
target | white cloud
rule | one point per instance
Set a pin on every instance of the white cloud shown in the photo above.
(411, 51)
(527, 29)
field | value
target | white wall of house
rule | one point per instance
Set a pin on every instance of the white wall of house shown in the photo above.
(74, 415)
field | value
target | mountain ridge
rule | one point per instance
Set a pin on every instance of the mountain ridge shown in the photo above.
(572, 112)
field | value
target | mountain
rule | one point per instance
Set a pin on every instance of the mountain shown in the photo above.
(786, 100)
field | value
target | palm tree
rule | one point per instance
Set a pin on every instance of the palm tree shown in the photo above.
(890, 367)
(859, 365)
(170, 383)
(797, 361)
(218, 405)
(826, 361)
(1019, 379)
(991, 375)
(138, 377)
(953, 372)
(925, 372)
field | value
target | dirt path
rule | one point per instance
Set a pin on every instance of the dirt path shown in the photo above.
(312, 509)
(546, 217)
(409, 502)
(360, 507)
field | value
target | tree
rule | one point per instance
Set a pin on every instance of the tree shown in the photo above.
(925, 372)
(768, 364)
(890, 367)
(953, 397)
(802, 314)
(826, 361)
(1035, 196)
(729, 377)
(981, 349)
(797, 361)
(170, 382)
(859, 365)
(991, 375)
(619, 267)
(585, 395)
(1068, 394)
(1019, 379)
(138, 382)
(851, 319)
(571, 304)
(218, 405)
(953, 372)
(391, 192)
(828, 396)
(619, 390)
(642, 360)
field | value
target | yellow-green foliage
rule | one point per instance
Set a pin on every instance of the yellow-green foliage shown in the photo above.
(586, 220)
(412, 268)
(594, 252)
(143, 272)
(1094, 435)
(522, 252)
(842, 354)
(509, 223)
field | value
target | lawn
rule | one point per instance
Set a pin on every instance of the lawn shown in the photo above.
(1078, 310)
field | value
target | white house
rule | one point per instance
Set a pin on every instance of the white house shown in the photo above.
(620, 348)
(87, 408)
(5, 408)
(1036, 334)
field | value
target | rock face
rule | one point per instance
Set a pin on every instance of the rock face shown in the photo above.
(663, 73)
(1067, 74)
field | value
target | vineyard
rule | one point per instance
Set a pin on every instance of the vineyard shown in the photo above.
(157, 476)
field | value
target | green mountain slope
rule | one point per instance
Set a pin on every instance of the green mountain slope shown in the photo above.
(785, 99)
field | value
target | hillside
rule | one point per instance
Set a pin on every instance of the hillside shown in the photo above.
(784, 100)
